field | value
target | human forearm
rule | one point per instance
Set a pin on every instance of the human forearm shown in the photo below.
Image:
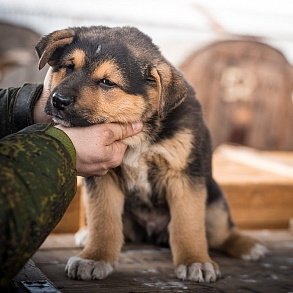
(35, 190)
(16, 107)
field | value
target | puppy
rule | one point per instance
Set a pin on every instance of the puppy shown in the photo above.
(163, 192)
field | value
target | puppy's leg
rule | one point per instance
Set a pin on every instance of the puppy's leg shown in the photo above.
(187, 230)
(104, 208)
(221, 232)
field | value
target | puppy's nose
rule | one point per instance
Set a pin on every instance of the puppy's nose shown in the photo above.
(60, 102)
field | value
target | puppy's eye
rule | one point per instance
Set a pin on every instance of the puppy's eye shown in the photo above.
(69, 67)
(106, 83)
(151, 80)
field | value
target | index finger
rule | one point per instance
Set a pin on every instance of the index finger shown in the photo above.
(117, 131)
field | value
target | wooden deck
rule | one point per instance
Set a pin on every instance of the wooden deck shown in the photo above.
(149, 269)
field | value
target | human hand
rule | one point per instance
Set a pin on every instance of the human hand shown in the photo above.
(99, 147)
(39, 110)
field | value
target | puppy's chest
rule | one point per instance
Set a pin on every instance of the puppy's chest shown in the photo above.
(137, 170)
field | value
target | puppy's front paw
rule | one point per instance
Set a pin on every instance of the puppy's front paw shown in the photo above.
(87, 269)
(199, 272)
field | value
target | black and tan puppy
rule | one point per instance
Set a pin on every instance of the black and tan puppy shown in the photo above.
(164, 191)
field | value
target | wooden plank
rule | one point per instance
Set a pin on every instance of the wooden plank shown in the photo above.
(259, 206)
(259, 195)
(74, 217)
(256, 159)
(228, 169)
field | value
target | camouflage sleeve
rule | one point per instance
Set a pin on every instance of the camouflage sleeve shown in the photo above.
(16, 107)
(37, 183)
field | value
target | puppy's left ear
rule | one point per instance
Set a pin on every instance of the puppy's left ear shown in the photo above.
(50, 43)
(171, 87)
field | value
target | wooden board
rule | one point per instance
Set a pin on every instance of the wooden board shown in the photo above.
(74, 217)
(258, 185)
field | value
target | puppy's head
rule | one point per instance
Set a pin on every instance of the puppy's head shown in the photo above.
(103, 75)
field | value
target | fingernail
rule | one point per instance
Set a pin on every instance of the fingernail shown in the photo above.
(137, 126)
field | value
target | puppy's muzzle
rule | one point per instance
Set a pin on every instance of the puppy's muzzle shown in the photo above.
(60, 102)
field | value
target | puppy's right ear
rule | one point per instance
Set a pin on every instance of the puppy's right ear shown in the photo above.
(50, 43)
(172, 88)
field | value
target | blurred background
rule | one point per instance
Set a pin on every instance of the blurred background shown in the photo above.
(237, 54)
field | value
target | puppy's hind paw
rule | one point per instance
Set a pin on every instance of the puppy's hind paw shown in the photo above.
(245, 247)
(256, 252)
(198, 272)
(80, 237)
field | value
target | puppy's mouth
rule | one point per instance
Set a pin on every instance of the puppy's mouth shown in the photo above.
(70, 121)
(70, 117)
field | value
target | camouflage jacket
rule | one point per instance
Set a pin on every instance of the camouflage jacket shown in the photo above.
(37, 178)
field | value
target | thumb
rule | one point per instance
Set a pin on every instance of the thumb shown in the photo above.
(121, 131)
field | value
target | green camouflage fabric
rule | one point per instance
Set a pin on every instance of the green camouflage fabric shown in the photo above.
(37, 183)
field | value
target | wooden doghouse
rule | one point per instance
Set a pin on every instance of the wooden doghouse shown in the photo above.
(245, 88)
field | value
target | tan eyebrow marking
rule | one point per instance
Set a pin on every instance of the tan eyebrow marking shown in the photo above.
(78, 57)
(109, 70)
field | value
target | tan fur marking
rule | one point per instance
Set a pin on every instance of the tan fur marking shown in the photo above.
(135, 169)
(113, 105)
(224, 238)
(175, 150)
(165, 71)
(109, 70)
(165, 155)
(154, 98)
(217, 224)
(187, 230)
(155, 94)
(57, 78)
(238, 244)
(78, 58)
(171, 87)
(162, 75)
(104, 214)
